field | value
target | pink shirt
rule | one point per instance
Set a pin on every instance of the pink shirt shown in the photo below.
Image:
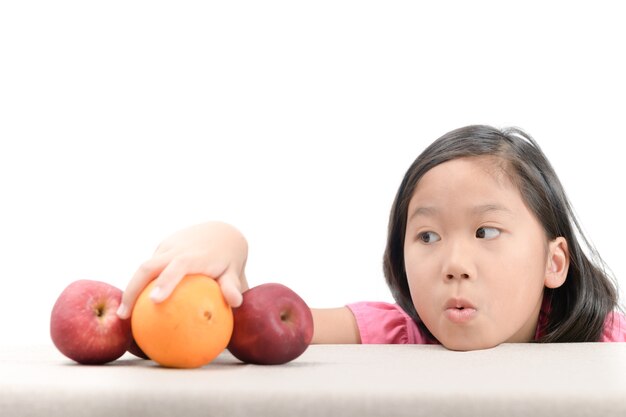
(384, 323)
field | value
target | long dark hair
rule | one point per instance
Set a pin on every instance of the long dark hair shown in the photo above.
(579, 308)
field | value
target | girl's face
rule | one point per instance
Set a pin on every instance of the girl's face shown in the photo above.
(476, 258)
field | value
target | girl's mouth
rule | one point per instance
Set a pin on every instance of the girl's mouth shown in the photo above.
(459, 310)
(460, 315)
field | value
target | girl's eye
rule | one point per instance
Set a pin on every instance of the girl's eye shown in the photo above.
(487, 233)
(428, 237)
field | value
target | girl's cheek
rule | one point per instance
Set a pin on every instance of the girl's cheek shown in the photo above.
(417, 275)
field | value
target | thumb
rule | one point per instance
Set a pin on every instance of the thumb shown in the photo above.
(231, 288)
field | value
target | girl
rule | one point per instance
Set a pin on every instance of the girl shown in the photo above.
(483, 248)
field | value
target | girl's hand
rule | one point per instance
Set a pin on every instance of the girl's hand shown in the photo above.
(215, 249)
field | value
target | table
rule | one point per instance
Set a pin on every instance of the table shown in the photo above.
(586, 379)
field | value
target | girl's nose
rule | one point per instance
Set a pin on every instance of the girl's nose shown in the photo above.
(458, 263)
(452, 276)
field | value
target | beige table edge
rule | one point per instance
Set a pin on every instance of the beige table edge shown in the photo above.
(357, 380)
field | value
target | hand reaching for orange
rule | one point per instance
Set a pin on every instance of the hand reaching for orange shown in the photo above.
(214, 249)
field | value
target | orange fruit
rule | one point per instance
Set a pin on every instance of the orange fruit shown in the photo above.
(187, 330)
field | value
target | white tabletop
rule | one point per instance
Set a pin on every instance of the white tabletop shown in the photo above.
(349, 380)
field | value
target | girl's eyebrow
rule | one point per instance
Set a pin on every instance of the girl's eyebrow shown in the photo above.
(424, 211)
(486, 208)
(430, 211)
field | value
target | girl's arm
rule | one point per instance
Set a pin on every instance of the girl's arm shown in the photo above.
(334, 326)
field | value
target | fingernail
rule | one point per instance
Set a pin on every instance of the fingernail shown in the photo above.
(122, 310)
(155, 293)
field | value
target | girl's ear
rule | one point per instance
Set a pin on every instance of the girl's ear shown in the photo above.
(558, 263)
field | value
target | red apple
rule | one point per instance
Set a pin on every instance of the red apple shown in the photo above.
(134, 347)
(272, 326)
(136, 350)
(84, 325)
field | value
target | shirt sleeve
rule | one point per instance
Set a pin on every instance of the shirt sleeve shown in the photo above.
(614, 328)
(384, 323)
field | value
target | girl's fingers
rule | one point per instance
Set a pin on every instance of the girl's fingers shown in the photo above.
(168, 271)
(231, 288)
(148, 271)
(176, 270)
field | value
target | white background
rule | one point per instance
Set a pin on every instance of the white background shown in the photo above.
(122, 122)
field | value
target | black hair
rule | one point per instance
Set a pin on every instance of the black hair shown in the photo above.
(578, 308)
